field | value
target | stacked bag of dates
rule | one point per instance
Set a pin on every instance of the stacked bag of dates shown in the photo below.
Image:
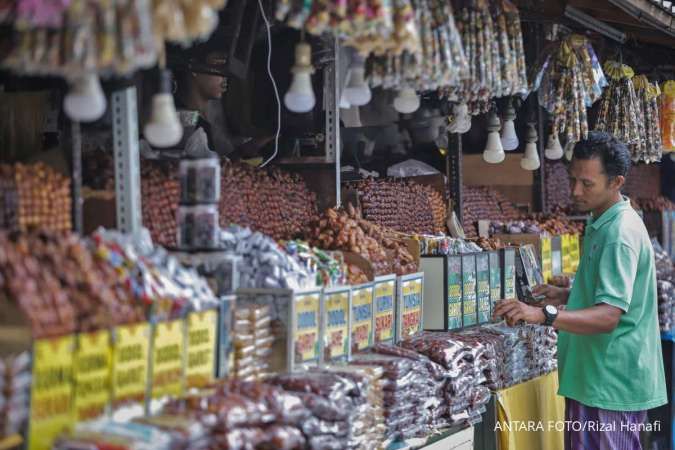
(402, 205)
(15, 382)
(339, 409)
(558, 194)
(413, 387)
(347, 231)
(466, 391)
(665, 285)
(542, 349)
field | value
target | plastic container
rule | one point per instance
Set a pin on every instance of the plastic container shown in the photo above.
(199, 181)
(198, 226)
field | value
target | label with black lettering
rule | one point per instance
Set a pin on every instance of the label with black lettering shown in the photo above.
(92, 372)
(200, 367)
(51, 410)
(167, 359)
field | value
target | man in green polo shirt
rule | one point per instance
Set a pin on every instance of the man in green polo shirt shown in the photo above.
(609, 349)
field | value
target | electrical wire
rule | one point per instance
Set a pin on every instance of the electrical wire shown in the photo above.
(274, 84)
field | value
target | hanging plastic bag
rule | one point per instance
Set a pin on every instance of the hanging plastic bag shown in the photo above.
(668, 116)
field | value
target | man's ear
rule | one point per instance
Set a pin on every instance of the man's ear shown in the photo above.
(617, 182)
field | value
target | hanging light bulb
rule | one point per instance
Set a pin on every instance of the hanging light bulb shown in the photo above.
(494, 152)
(344, 103)
(569, 150)
(509, 136)
(85, 101)
(530, 160)
(357, 92)
(553, 148)
(300, 96)
(164, 129)
(407, 101)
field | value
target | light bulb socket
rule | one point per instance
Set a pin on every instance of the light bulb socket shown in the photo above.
(303, 58)
(165, 81)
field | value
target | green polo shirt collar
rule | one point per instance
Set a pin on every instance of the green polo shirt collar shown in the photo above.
(610, 214)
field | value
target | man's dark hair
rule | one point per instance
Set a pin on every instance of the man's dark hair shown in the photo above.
(611, 151)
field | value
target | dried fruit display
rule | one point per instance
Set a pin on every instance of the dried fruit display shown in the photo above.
(347, 231)
(402, 205)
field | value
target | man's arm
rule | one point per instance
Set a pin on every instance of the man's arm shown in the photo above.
(597, 319)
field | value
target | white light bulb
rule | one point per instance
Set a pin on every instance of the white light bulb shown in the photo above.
(85, 101)
(300, 96)
(357, 92)
(407, 101)
(344, 104)
(494, 151)
(553, 148)
(509, 136)
(530, 160)
(164, 129)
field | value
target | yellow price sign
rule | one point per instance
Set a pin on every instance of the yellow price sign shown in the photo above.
(306, 333)
(411, 317)
(200, 369)
(566, 255)
(51, 412)
(384, 310)
(546, 258)
(362, 318)
(336, 320)
(92, 372)
(167, 359)
(130, 363)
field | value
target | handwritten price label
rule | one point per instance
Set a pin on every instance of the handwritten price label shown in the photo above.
(51, 411)
(362, 318)
(306, 335)
(336, 308)
(384, 310)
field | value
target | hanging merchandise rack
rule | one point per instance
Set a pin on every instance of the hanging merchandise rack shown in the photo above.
(569, 79)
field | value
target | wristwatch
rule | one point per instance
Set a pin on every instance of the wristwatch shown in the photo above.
(550, 312)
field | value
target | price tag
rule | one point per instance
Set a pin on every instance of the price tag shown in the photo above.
(336, 320)
(306, 334)
(167, 359)
(201, 348)
(51, 410)
(566, 256)
(509, 273)
(92, 371)
(362, 318)
(411, 312)
(469, 290)
(546, 259)
(495, 280)
(454, 292)
(574, 248)
(130, 363)
(483, 287)
(384, 310)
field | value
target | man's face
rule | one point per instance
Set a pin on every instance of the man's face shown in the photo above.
(212, 85)
(590, 187)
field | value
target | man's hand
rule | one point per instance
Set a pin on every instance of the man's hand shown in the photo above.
(554, 295)
(513, 311)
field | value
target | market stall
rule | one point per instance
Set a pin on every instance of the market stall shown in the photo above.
(337, 290)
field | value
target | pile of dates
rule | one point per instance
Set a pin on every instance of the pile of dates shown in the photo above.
(347, 231)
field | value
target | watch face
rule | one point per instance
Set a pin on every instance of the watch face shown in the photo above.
(551, 309)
